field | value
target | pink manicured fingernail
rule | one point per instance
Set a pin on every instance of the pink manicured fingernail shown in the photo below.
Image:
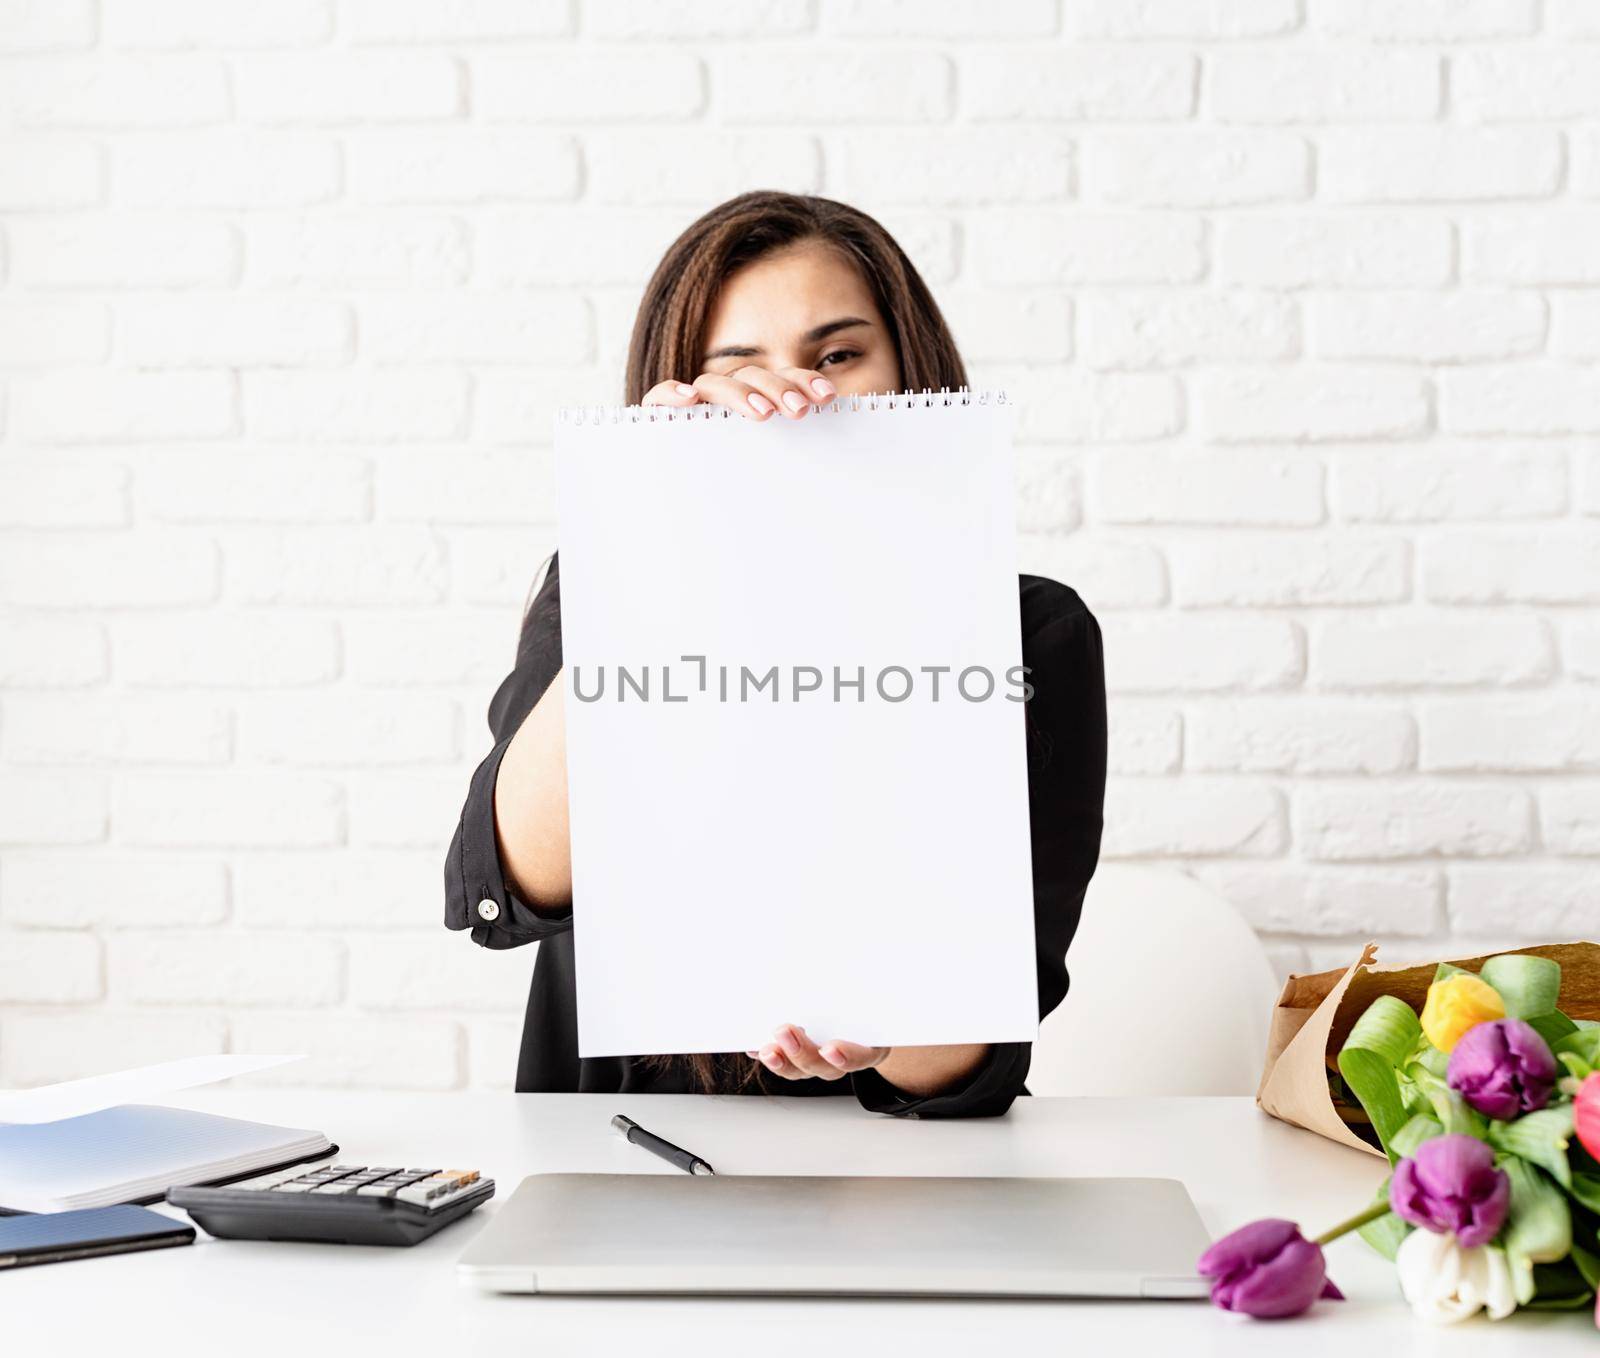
(684, 389)
(794, 400)
(760, 404)
(822, 387)
(833, 1056)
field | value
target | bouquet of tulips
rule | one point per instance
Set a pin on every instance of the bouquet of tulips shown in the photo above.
(1488, 1107)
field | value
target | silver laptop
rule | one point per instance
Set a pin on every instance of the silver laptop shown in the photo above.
(650, 1233)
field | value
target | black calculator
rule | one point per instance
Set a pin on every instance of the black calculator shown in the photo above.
(346, 1204)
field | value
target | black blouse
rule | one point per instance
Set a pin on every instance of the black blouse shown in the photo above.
(1066, 725)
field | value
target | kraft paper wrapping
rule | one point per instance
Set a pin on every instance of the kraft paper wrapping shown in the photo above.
(1315, 1013)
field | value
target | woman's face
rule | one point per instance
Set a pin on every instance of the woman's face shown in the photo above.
(802, 307)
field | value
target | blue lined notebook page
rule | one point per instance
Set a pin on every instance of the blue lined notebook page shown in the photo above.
(136, 1151)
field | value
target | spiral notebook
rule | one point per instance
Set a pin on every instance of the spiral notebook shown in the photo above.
(795, 734)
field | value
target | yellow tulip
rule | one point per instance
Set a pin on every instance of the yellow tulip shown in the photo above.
(1458, 1002)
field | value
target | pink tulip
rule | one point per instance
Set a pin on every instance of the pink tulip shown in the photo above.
(1586, 1114)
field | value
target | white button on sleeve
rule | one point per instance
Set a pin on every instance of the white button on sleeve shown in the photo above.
(488, 910)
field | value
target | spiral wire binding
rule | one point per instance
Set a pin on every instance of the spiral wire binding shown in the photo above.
(869, 401)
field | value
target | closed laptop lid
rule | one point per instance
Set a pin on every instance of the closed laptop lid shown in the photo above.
(648, 1233)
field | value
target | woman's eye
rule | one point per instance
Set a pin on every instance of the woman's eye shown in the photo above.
(838, 355)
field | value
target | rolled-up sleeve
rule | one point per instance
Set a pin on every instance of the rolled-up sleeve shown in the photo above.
(986, 1093)
(477, 895)
(1066, 735)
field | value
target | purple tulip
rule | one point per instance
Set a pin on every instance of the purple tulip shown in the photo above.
(1267, 1269)
(1503, 1068)
(1451, 1184)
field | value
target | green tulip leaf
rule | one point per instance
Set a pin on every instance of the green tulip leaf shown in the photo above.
(1540, 1138)
(1389, 1027)
(1417, 1129)
(1458, 1115)
(1385, 1233)
(1372, 1080)
(1414, 1101)
(1529, 986)
(1584, 1043)
(1380, 1041)
(1559, 1287)
(1585, 1190)
(1576, 1066)
(1538, 1227)
(1450, 1110)
(1446, 969)
(1587, 1263)
(1432, 1060)
(1553, 1028)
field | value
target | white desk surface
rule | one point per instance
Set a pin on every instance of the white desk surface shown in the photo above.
(247, 1298)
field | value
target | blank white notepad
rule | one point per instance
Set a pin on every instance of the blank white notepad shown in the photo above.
(136, 1153)
(855, 860)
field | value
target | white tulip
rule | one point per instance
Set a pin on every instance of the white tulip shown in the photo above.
(1445, 1283)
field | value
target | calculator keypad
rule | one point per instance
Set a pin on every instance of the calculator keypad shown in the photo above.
(343, 1204)
(429, 1188)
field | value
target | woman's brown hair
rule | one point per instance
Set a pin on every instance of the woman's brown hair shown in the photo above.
(670, 331)
(669, 338)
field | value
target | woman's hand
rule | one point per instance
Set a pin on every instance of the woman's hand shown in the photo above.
(920, 1071)
(754, 392)
(795, 1056)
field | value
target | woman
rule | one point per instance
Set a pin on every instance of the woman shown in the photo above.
(766, 305)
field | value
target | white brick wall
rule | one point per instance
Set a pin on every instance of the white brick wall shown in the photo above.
(1301, 299)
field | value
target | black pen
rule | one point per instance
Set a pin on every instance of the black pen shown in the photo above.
(687, 1161)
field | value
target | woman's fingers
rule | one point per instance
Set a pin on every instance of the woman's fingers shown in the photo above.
(733, 395)
(817, 387)
(671, 394)
(772, 1057)
(789, 398)
(803, 1055)
(751, 392)
(849, 1056)
(794, 1055)
(755, 393)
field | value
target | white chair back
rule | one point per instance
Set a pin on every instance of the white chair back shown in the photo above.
(1171, 993)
